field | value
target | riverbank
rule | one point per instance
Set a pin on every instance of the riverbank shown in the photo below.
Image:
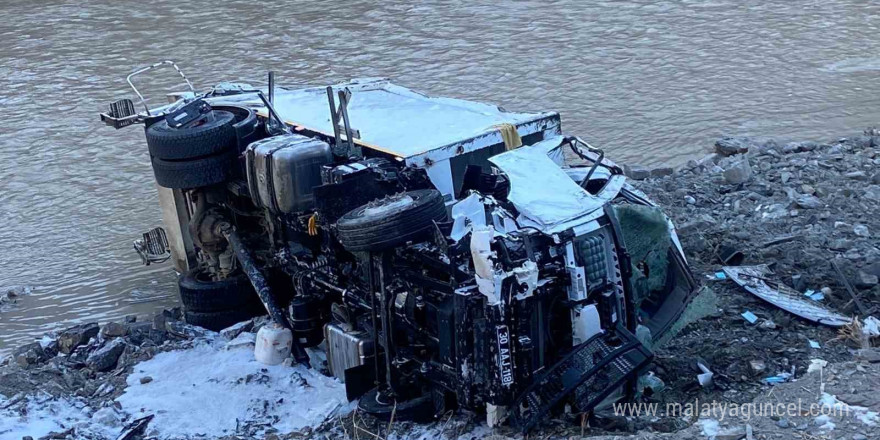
(794, 206)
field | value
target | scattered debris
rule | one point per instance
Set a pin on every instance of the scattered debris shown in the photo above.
(753, 279)
(704, 378)
(750, 317)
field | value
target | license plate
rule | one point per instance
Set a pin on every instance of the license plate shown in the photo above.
(505, 366)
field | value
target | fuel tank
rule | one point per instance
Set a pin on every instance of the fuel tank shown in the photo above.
(283, 170)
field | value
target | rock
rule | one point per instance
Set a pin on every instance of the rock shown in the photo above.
(734, 433)
(131, 319)
(107, 416)
(145, 380)
(75, 336)
(859, 437)
(105, 357)
(785, 176)
(113, 330)
(767, 325)
(875, 179)
(798, 283)
(143, 332)
(738, 173)
(858, 400)
(856, 175)
(757, 366)
(237, 329)
(783, 423)
(807, 189)
(690, 200)
(695, 226)
(841, 244)
(873, 269)
(728, 146)
(871, 355)
(861, 231)
(866, 280)
(636, 172)
(662, 172)
(808, 202)
(30, 354)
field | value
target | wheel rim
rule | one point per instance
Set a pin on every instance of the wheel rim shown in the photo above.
(388, 206)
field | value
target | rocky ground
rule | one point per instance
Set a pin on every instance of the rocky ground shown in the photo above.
(794, 206)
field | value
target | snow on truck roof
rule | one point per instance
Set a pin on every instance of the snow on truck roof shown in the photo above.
(397, 120)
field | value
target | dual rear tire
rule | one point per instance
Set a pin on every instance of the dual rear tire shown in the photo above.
(216, 305)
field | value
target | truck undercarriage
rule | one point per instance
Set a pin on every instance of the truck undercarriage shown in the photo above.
(438, 251)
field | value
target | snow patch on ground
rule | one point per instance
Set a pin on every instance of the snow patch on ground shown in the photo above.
(44, 414)
(211, 388)
(861, 413)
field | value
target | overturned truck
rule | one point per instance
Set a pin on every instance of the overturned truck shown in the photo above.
(440, 252)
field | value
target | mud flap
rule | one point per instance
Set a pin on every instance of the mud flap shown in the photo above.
(588, 374)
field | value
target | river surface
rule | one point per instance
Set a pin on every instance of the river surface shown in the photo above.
(652, 82)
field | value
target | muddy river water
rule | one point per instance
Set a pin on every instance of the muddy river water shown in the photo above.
(651, 81)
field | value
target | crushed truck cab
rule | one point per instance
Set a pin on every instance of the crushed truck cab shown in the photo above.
(441, 252)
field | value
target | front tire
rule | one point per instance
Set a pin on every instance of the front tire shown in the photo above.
(388, 222)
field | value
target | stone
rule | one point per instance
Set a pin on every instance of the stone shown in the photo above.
(807, 189)
(662, 172)
(866, 280)
(785, 176)
(131, 319)
(693, 227)
(690, 200)
(107, 416)
(873, 269)
(104, 358)
(871, 355)
(808, 202)
(237, 329)
(738, 173)
(757, 366)
(143, 332)
(783, 423)
(145, 380)
(636, 172)
(875, 179)
(841, 244)
(728, 146)
(113, 330)
(75, 336)
(858, 400)
(861, 231)
(798, 282)
(856, 175)
(30, 354)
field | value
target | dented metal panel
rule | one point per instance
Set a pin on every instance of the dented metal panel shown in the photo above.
(754, 279)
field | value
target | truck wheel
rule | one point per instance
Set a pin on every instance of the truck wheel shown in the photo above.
(196, 173)
(391, 221)
(419, 409)
(209, 138)
(217, 321)
(199, 293)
